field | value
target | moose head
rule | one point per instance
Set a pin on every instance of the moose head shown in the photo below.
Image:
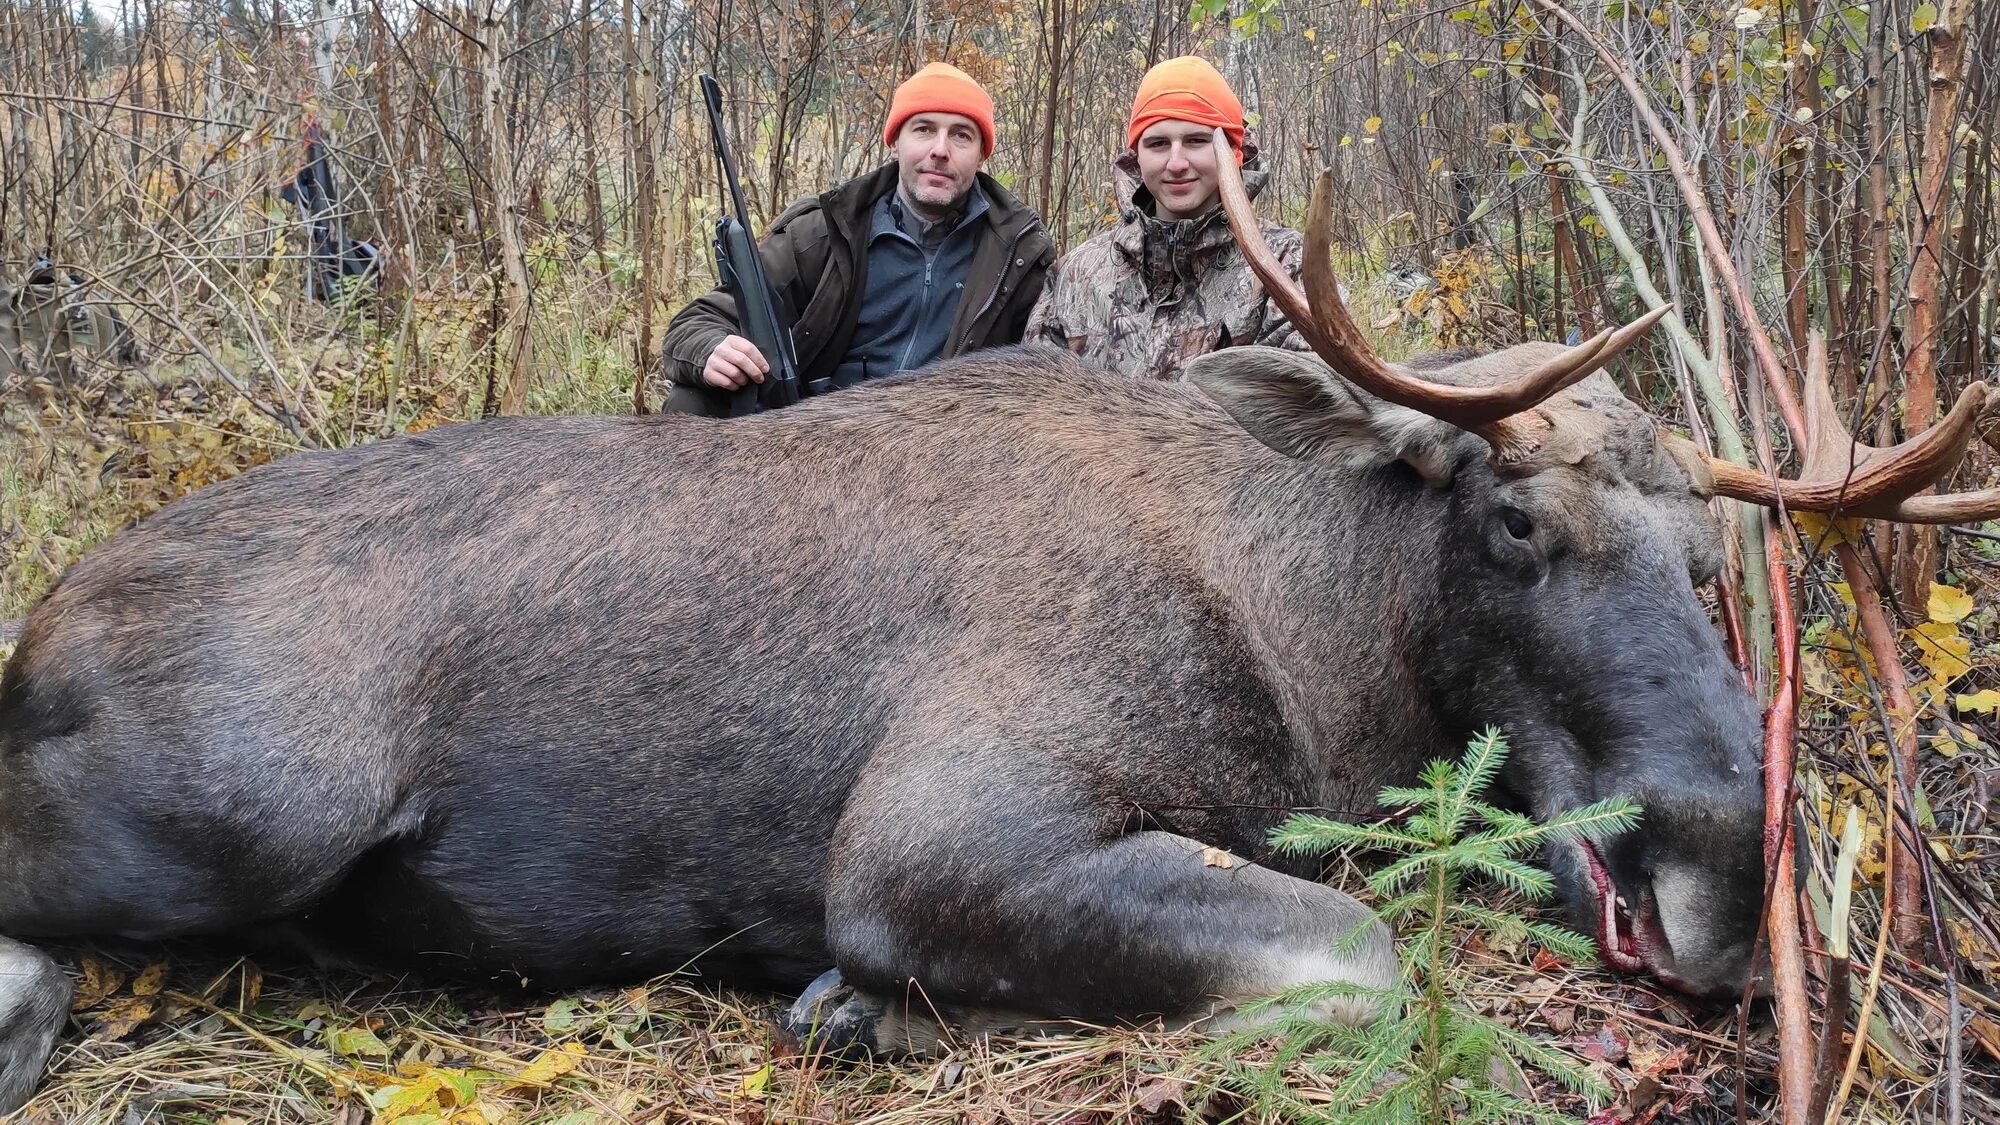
(1578, 535)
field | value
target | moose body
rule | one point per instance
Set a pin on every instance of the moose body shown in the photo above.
(947, 684)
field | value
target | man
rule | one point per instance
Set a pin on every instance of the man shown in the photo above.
(923, 258)
(1168, 283)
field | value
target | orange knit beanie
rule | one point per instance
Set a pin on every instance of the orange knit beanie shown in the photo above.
(941, 88)
(1186, 89)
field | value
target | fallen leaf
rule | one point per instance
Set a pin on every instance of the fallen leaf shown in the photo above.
(1987, 1033)
(1160, 1093)
(1949, 604)
(1560, 1018)
(551, 1065)
(756, 1082)
(253, 988)
(1943, 650)
(356, 1042)
(562, 1018)
(101, 980)
(1216, 857)
(123, 1018)
(149, 982)
(1979, 702)
(1505, 1073)
(1651, 1057)
(1546, 961)
(1823, 531)
(1606, 1044)
(1643, 1095)
(406, 1103)
(456, 1087)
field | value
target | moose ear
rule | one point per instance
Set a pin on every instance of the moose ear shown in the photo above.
(1293, 403)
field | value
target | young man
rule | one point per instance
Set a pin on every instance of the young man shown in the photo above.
(922, 258)
(1168, 283)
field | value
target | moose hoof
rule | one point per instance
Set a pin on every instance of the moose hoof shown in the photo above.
(833, 1020)
(34, 1002)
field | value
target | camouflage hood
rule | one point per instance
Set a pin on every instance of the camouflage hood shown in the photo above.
(1150, 294)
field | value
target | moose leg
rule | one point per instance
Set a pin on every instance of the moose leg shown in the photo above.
(34, 1002)
(962, 890)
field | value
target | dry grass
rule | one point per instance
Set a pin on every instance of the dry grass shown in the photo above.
(229, 1042)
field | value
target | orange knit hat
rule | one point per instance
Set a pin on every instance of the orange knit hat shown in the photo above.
(941, 88)
(1186, 89)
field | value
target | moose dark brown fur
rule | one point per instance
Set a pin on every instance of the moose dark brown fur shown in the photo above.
(944, 684)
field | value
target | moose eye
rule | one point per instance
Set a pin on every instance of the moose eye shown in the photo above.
(1517, 523)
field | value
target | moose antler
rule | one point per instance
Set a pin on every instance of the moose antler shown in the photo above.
(1501, 414)
(1842, 475)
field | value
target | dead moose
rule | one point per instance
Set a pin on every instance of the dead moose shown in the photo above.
(930, 694)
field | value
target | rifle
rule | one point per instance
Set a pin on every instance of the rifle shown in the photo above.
(742, 273)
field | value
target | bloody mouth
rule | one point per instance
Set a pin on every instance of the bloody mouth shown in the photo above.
(1618, 933)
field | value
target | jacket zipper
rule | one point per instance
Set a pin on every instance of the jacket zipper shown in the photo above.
(930, 264)
(1033, 224)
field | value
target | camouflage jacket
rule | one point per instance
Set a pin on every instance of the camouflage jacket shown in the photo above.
(1147, 296)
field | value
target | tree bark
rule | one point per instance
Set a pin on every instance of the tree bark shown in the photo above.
(516, 292)
(1917, 556)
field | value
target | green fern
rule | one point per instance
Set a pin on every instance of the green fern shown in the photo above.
(1433, 1058)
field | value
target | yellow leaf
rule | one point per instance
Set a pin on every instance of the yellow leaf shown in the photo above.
(1822, 531)
(1979, 702)
(455, 1087)
(148, 982)
(1373, 125)
(551, 1065)
(1311, 33)
(356, 1041)
(101, 980)
(395, 1102)
(1216, 857)
(1944, 651)
(754, 1083)
(123, 1018)
(1949, 604)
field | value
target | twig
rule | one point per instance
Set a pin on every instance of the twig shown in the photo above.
(122, 107)
(1795, 1054)
(1839, 972)
(1874, 985)
(1905, 902)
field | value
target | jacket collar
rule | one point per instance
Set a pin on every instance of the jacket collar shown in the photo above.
(1206, 232)
(850, 206)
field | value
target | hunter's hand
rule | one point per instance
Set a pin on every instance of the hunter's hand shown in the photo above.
(734, 361)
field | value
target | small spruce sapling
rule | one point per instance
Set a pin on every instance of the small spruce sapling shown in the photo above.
(1432, 1058)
